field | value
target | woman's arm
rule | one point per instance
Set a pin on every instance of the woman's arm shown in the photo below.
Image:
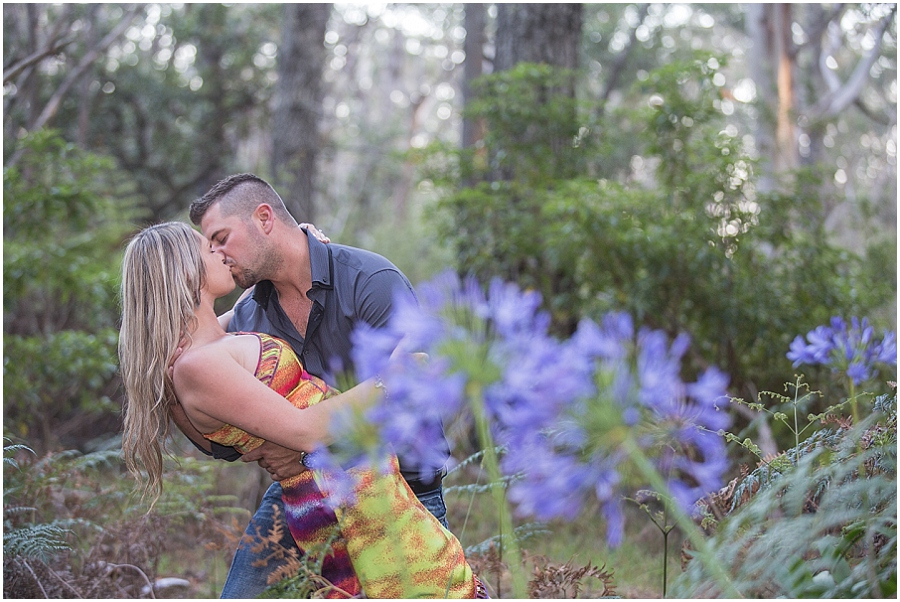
(215, 388)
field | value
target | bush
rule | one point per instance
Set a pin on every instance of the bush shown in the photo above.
(64, 221)
(684, 244)
(819, 521)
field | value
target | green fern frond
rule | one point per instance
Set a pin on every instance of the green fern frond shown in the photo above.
(522, 533)
(9, 452)
(481, 488)
(475, 458)
(35, 541)
(97, 460)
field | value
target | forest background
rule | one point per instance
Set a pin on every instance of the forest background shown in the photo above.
(726, 171)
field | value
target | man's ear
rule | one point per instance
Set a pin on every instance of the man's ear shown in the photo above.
(265, 217)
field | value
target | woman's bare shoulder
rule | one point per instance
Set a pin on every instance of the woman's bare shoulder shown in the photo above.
(196, 362)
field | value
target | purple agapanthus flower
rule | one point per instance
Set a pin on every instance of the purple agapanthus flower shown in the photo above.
(850, 349)
(560, 409)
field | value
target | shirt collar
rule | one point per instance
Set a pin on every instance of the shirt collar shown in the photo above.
(320, 267)
(320, 264)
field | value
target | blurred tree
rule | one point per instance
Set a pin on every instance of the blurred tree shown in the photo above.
(538, 33)
(198, 85)
(800, 85)
(169, 95)
(298, 106)
(391, 83)
(542, 34)
(473, 68)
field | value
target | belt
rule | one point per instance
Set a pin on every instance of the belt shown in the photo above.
(420, 486)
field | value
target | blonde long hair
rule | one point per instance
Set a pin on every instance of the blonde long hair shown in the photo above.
(162, 274)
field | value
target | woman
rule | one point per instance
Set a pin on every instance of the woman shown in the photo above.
(240, 389)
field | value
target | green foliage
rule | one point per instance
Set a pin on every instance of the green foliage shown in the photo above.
(49, 378)
(524, 144)
(64, 220)
(817, 521)
(27, 540)
(62, 225)
(301, 576)
(203, 83)
(521, 533)
(684, 243)
(34, 541)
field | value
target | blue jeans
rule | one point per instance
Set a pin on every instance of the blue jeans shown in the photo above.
(247, 581)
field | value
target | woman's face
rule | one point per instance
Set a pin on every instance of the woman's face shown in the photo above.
(218, 275)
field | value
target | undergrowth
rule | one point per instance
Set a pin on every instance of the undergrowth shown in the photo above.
(819, 520)
(72, 528)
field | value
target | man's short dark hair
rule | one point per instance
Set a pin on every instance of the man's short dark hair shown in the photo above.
(240, 193)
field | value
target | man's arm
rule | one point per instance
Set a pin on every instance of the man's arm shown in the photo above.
(376, 298)
(215, 388)
(281, 462)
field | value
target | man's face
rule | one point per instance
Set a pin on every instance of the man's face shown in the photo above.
(239, 242)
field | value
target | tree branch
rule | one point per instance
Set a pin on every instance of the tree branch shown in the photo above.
(17, 67)
(828, 75)
(86, 61)
(818, 28)
(835, 102)
(138, 571)
(885, 119)
(36, 580)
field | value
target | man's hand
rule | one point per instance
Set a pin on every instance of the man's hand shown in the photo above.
(280, 462)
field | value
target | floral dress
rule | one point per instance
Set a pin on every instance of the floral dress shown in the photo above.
(383, 545)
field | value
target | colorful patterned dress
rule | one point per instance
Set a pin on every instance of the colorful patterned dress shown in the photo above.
(388, 545)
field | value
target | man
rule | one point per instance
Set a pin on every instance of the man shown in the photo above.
(311, 295)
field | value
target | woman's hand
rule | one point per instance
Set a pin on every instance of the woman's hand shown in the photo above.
(318, 234)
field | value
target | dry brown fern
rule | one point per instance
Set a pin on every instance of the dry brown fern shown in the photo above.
(286, 561)
(492, 571)
(551, 580)
(292, 572)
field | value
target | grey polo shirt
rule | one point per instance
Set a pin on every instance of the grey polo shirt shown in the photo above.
(349, 286)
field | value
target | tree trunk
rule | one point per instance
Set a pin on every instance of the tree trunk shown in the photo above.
(297, 107)
(538, 33)
(473, 67)
(786, 157)
(758, 29)
(769, 29)
(548, 34)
